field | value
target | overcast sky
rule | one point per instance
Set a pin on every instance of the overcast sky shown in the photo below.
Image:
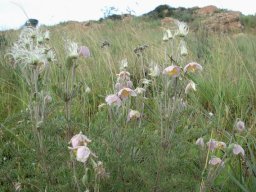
(51, 12)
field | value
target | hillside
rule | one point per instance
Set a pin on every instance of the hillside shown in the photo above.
(128, 104)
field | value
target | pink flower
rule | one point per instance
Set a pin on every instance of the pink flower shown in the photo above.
(79, 140)
(82, 154)
(124, 76)
(133, 114)
(172, 71)
(240, 126)
(113, 100)
(215, 161)
(238, 149)
(212, 144)
(84, 51)
(200, 142)
(126, 92)
(193, 67)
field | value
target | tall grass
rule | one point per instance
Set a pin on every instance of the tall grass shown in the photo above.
(136, 156)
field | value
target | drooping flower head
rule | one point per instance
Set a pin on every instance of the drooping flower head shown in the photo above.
(123, 64)
(172, 71)
(183, 28)
(167, 35)
(133, 114)
(113, 100)
(193, 67)
(183, 48)
(215, 161)
(140, 90)
(200, 142)
(82, 153)
(83, 51)
(126, 92)
(191, 86)
(237, 149)
(221, 145)
(212, 144)
(79, 140)
(240, 126)
(123, 76)
(154, 71)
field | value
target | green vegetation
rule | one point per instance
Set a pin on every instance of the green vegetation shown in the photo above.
(157, 152)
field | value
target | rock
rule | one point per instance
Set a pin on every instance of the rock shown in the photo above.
(223, 22)
(208, 10)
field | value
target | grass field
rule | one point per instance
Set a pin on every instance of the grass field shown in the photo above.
(155, 151)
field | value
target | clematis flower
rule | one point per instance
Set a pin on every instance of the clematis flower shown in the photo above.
(47, 35)
(79, 140)
(113, 100)
(123, 76)
(84, 51)
(140, 90)
(123, 64)
(183, 28)
(200, 142)
(167, 35)
(133, 114)
(221, 145)
(126, 92)
(172, 71)
(82, 154)
(193, 67)
(47, 99)
(212, 144)
(154, 71)
(240, 126)
(145, 82)
(215, 161)
(72, 49)
(238, 149)
(191, 86)
(183, 48)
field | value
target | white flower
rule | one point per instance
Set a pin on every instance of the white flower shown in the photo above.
(133, 114)
(182, 28)
(47, 99)
(191, 86)
(240, 126)
(123, 64)
(221, 145)
(47, 35)
(167, 35)
(210, 114)
(72, 49)
(145, 81)
(87, 89)
(200, 142)
(140, 90)
(183, 48)
(154, 71)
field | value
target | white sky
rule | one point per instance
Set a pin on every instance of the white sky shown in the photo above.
(54, 11)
